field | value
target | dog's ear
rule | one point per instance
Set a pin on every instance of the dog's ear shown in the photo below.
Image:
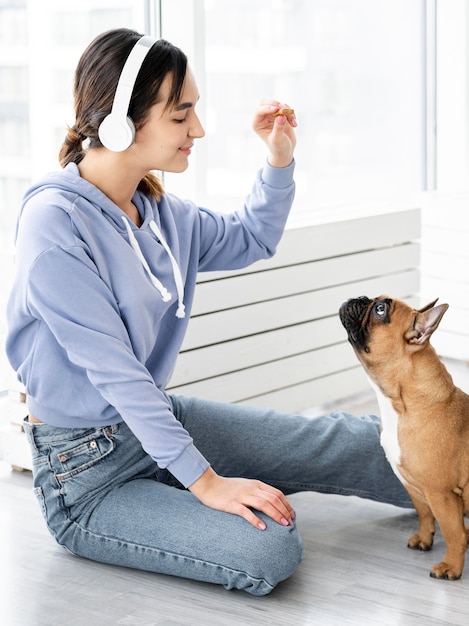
(425, 323)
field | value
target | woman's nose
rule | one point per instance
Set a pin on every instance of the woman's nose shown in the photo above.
(197, 130)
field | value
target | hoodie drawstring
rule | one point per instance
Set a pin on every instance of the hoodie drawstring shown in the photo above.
(181, 311)
(165, 295)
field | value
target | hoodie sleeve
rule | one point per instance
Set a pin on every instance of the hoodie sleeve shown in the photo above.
(238, 239)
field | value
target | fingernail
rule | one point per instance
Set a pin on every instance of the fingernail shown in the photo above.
(261, 526)
(285, 522)
(281, 119)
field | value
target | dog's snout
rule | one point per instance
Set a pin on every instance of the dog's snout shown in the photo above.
(352, 314)
(352, 311)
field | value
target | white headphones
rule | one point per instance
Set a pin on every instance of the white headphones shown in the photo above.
(117, 131)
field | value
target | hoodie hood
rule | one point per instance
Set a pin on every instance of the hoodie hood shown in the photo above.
(72, 185)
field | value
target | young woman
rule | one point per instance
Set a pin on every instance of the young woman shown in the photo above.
(106, 269)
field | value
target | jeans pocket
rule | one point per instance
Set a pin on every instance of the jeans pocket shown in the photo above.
(81, 469)
(77, 458)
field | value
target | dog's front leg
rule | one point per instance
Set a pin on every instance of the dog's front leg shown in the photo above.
(423, 538)
(449, 512)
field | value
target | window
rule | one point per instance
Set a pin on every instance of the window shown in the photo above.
(354, 72)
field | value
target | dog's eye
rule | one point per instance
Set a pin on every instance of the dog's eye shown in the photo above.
(380, 309)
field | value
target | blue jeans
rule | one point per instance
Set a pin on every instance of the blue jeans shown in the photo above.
(105, 499)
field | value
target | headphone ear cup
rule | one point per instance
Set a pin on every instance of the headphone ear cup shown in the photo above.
(116, 133)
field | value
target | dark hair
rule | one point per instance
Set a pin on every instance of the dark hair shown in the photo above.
(96, 78)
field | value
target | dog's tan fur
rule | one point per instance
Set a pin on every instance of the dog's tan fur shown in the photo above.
(432, 423)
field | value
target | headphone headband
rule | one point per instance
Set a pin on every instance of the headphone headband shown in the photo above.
(117, 131)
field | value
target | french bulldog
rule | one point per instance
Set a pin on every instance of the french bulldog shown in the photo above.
(424, 417)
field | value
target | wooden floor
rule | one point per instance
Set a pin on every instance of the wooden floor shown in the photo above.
(357, 570)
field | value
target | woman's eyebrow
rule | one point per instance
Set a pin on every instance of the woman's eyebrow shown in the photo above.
(183, 106)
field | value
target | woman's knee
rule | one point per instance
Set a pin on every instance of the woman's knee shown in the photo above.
(278, 553)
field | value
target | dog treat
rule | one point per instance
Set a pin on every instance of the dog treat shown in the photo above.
(284, 112)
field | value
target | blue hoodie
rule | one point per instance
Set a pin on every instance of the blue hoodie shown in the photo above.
(96, 314)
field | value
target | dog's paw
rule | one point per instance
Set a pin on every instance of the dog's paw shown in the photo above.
(445, 571)
(418, 542)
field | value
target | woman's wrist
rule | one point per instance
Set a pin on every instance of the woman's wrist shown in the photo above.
(279, 162)
(203, 483)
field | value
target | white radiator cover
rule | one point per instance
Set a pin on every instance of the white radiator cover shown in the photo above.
(270, 335)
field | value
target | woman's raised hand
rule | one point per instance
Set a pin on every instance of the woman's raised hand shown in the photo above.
(274, 122)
